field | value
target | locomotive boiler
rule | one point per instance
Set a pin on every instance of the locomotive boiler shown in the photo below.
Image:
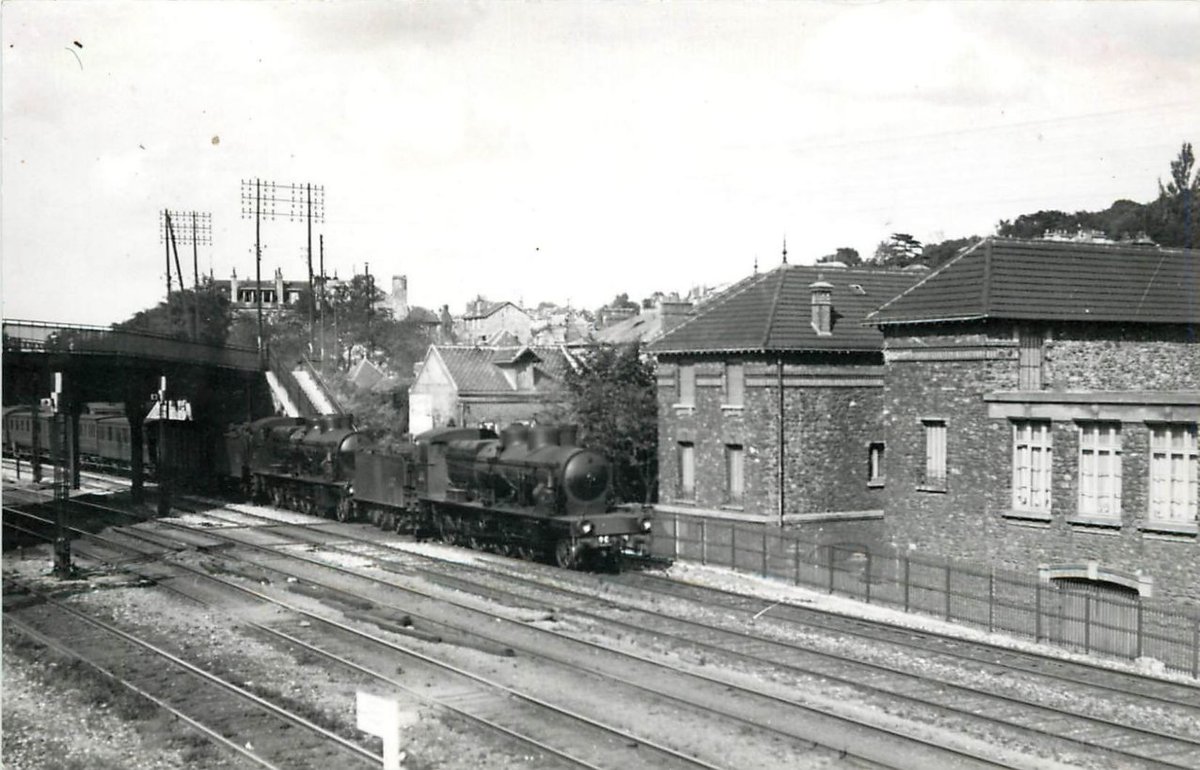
(306, 464)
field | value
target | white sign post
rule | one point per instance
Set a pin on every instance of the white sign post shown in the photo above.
(383, 718)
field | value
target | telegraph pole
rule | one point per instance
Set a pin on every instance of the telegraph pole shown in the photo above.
(305, 201)
(321, 306)
(201, 232)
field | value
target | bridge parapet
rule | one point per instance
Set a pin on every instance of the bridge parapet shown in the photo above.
(73, 339)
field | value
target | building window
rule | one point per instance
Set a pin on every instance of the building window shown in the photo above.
(1174, 460)
(1100, 469)
(875, 463)
(935, 454)
(687, 470)
(1032, 454)
(735, 385)
(687, 385)
(735, 474)
(1029, 359)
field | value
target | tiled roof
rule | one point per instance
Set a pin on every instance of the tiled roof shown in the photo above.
(1055, 280)
(476, 369)
(489, 308)
(639, 328)
(773, 312)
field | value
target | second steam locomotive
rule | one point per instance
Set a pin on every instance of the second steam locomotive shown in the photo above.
(530, 492)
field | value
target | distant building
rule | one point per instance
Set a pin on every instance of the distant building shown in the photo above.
(648, 325)
(472, 385)
(275, 294)
(485, 321)
(398, 300)
(1042, 401)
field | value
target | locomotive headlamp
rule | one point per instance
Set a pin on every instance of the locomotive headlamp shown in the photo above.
(586, 527)
(647, 525)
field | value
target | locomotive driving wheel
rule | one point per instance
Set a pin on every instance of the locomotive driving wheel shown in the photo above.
(345, 509)
(565, 554)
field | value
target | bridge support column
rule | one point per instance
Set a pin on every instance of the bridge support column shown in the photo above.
(135, 412)
(36, 439)
(74, 409)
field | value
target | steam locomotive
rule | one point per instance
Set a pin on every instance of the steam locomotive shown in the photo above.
(530, 492)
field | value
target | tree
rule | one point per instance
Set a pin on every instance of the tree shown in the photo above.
(1172, 217)
(176, 317)
(623, 300)
(936, 254)
(901, 250)
(614, 399)
(845, 255)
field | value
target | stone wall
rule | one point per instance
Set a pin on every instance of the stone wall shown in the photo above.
(945, 371)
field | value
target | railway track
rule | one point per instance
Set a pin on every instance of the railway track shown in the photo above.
(1124, 697)
(765, 702)
(539, 724)
(1131, 746)
(239, 720)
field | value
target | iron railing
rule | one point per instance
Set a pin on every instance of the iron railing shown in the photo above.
(995, 600)
(41, 337)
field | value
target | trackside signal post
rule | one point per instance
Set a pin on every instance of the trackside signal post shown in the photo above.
(61, 444)
(164, 474)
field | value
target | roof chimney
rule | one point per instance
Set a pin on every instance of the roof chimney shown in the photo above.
(822, 307)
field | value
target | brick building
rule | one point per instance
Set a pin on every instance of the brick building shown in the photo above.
(472, 385)
(1041, 403)
(777, 379)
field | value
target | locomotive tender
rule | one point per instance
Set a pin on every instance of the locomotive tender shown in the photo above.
(530, 492)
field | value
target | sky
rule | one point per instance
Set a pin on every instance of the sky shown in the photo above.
(562, 152)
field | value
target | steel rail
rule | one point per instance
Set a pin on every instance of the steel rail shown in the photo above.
(203, 675)
(430, 661)
(840, 659)
(533, 651)
(57, 646)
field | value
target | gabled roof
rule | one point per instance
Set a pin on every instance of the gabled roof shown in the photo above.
(1054, 280)
(490, 308)
(773, 312)
(477, 369)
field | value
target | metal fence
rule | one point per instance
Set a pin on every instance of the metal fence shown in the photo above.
(994, 600)
(50, 338)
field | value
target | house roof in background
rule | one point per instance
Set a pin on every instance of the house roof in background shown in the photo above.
(772, 311)
(477, 369)
(489, 309)
(1054, 280)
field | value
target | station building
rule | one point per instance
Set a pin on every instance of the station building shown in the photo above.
(770, 398)
(1040, 408)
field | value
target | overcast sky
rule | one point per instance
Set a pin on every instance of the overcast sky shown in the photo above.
(564, 151)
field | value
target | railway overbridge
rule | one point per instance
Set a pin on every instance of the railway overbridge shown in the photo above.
(74, 365)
